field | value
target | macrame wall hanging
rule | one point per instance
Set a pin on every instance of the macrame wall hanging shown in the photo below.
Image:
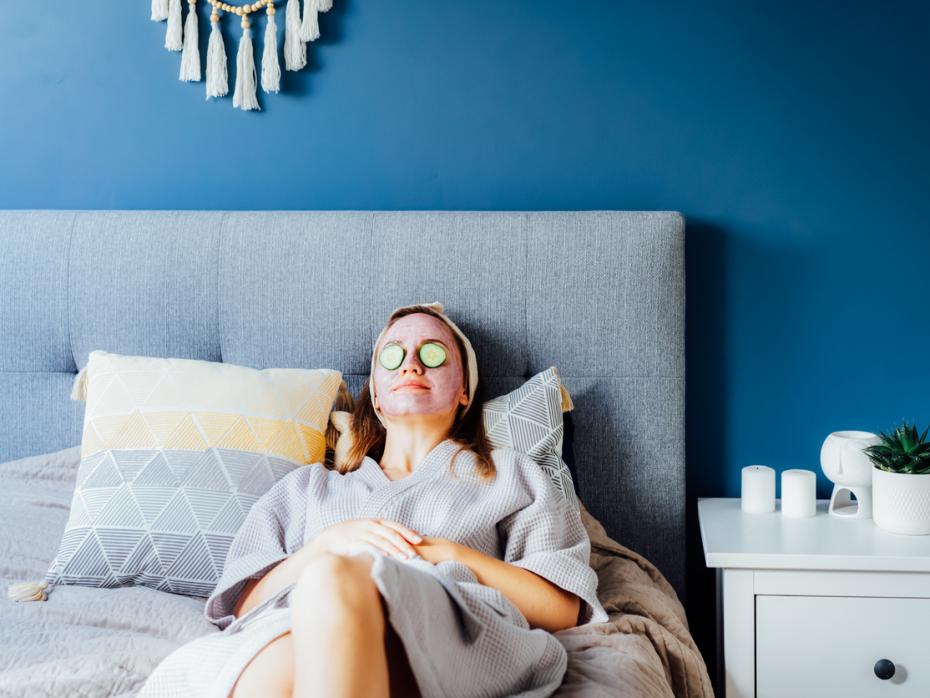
(183, 36)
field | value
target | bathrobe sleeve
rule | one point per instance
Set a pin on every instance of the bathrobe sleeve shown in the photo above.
(546, 536)
(272, 530)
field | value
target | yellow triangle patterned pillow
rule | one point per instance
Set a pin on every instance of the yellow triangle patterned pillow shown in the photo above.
(174, 452)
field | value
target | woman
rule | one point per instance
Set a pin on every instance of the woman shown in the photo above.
(425, 563)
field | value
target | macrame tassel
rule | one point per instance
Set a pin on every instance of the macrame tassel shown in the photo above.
(295, 50)
(217, 70)
(310, 27)
(271, 69)
(190, 58)
(173, 37)
(324, 5)
(28, 591)
(159, 10)
(244, 96)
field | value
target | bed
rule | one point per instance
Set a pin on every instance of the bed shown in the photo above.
(598, 294)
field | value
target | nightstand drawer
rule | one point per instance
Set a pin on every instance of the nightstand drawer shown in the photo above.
(829, 645)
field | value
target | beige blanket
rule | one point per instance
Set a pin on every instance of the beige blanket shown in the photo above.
(646, 648)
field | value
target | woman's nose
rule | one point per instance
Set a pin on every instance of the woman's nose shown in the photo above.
(411, 364)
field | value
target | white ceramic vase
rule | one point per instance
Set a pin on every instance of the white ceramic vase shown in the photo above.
(901, 502)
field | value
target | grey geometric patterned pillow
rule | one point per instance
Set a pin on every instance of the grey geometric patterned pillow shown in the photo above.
(529, 420)
(163, 519)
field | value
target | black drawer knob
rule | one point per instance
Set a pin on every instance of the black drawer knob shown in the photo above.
(884, 669)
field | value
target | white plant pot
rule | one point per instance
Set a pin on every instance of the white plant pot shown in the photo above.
(901, 502)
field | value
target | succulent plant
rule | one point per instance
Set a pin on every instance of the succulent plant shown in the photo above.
(902, 451)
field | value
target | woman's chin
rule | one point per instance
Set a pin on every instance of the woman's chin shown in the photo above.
(415, 413)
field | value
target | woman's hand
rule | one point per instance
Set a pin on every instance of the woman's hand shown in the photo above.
(389, 537)
(434, 549)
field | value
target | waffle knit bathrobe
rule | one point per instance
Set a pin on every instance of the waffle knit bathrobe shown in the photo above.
(462, 638)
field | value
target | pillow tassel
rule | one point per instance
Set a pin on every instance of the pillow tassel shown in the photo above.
(190, 57)
(244, 97)
(217, 70)
(159, 10)
(173, 36)
(567, 404)
(295, 50)
(271, 69)
(79, 388)
(28, 591)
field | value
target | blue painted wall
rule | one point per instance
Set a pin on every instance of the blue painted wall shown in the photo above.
(794, 136)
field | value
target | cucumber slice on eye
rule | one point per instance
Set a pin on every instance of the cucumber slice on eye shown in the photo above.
(432, 355)
(391, 356)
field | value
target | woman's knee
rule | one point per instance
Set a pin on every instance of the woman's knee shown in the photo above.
(335, 586)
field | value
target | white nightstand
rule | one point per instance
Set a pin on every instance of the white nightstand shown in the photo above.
(808, 607)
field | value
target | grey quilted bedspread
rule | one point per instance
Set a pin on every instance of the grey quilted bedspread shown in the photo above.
(83, 641)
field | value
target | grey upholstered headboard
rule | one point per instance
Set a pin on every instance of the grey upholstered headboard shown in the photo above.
(599, 295)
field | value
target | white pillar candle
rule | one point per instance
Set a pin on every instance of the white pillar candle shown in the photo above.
(798, 493)
(758, 489)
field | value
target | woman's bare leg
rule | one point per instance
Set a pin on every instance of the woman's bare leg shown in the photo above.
(338, 629)
(270, 674)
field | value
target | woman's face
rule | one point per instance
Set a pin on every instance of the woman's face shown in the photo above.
(413, 388)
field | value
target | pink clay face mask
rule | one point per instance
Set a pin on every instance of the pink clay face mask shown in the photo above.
(442, 387)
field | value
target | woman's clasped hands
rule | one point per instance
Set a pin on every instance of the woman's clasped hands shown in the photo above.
(387, 537)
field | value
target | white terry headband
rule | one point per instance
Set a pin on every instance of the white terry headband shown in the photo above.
(471, 361)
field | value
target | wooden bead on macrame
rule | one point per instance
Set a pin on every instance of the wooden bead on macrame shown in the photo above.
(243, 9)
